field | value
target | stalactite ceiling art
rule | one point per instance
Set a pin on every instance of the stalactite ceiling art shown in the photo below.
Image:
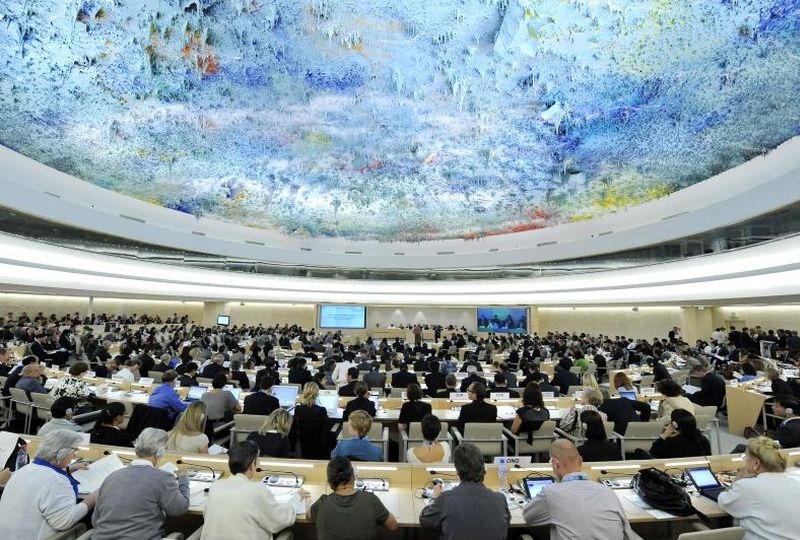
(398, 121)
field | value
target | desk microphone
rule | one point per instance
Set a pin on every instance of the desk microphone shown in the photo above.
(109, 452)
(213, 472)
(296, 478)
(439, 473)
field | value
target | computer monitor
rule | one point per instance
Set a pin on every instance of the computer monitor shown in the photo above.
(629, 394)
(223, 320)
(196, 393)
(329, 399)
(287, 395)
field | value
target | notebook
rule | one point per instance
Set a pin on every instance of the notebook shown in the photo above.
(628, 394)
(287, 395)
(196, 393)
(706, 482)
(534, 485)
(329, 399)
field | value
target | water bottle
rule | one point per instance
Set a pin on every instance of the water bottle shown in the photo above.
(502, 474)
(22, 457)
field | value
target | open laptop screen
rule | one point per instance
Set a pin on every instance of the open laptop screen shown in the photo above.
(703, 477)
(287, 395)
(628, 394)
(196, 392)
(329, 401)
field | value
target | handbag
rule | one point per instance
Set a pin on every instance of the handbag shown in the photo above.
(658, 490)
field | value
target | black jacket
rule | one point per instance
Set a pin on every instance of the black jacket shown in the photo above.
(359, 403)
(260, 403)
(477, 411)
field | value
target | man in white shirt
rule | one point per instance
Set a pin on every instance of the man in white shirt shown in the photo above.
(339, 374)
(600, 519)
(130, 371)
(241, 508)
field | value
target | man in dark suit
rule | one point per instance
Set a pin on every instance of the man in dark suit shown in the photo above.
(261, 402)
(478, 410)
(712, 388)
(360, 403)
(189, 377)
(622, 411)
(472, 377)
(450, 383)
(500, 385)
(434, 381)
(563, 379)
(349, 389)
(214, 368)
(403, 378)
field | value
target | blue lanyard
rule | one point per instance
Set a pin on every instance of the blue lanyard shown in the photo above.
(575, 476)
(49, 465)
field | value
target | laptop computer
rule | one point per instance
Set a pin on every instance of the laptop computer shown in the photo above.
(287, 395)
(706, 482)
(628, 394)
(534, 485)
(329, 399)
(196, 393)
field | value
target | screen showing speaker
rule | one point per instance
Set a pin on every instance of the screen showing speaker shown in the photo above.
(507, 320)
(223, 320)
(342, 316)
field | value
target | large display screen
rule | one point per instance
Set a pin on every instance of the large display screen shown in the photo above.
(509, 320)
(333, 316)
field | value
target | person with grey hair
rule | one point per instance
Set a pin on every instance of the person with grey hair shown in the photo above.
(133, 502)
(31, 380)
(469, 510)
(39, 499)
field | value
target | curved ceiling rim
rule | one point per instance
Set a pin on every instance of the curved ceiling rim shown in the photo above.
(752, 273)
(758, 186)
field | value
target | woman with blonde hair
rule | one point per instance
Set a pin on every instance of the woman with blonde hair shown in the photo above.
(273, 436)
(623, 383)
(589, 382)
(312, 425)
(188, 435)
(763, 498)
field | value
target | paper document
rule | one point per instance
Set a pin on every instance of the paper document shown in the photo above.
(216, 450)
(283, 495)
(91, 478)
(8, 443)
(689, 389)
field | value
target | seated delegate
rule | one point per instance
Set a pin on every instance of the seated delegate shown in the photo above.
(348, 514)
(39, 499)
(240, 507)
(469, 510)
(601, 518)
(681, 438)
(432, 450)
(133, 501)
(358, 447)
(272, 438)
(763, 497)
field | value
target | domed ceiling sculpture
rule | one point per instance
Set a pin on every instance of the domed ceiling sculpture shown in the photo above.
(403, 120)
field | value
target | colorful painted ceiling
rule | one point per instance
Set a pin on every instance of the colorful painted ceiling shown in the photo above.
(403, 120)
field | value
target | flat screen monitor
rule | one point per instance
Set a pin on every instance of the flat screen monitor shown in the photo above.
(342, 316)
(287, 395)
(223, 320)
(503, 320)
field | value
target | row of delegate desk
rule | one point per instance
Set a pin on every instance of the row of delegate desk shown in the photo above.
(406, 481)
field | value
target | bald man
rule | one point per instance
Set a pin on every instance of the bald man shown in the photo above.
(600, 515)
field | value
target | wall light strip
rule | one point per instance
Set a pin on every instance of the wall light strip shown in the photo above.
(286, 465)
(371, 468)
(684, 464)
(435, 470)
(193, 459)
(614, 467)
